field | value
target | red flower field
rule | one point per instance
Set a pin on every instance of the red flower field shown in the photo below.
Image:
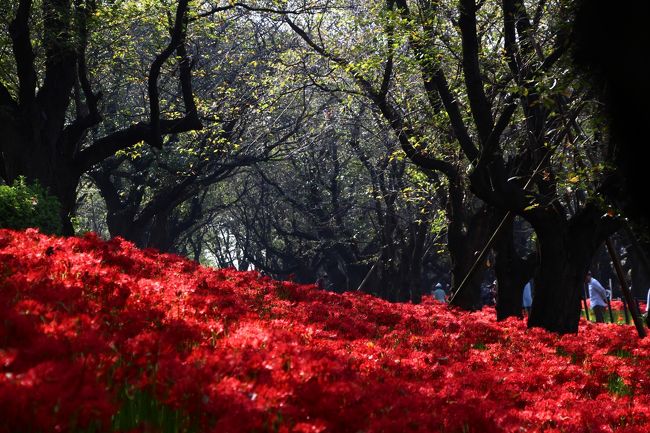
(100, 336)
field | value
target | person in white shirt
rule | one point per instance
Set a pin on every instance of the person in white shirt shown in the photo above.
(598, 296)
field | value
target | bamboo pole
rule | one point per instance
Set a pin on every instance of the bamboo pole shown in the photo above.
(367, 277)
(636, 317)
(481, 256)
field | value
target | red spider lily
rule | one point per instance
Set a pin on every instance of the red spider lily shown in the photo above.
(91, 327)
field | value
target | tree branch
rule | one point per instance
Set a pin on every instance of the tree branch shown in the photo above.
(478, 102)
(185, 74)
(361, 81)
(249, 8)
(435, 83)
(177, 38)
(73, 133)
(6, 99)
(388, 69)
(60, 63)
(502, 123)
(23, 53)
(510, 39)
(124, 138)
(153, 131)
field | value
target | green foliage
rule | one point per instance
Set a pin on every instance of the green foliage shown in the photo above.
(617, 386)
(621, 353)
(23, 205)
(142, 409)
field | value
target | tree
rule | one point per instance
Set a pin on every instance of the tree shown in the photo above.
(346, 211)
(48, 108)
(515, 117)
(527, 182)
(605, 42)
(427, 144)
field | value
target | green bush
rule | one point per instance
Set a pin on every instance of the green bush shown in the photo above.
(24, 205)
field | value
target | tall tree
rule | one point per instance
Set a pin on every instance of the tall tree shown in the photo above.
(48, 105)
(384, 79)
(512, 116)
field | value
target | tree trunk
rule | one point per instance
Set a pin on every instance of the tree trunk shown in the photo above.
(512, 274)
(566, 249)
(415, 276)
(465, 240)
(160, 233)
(23, 156)
(563, 265)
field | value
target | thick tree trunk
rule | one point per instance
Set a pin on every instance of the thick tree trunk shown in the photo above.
(402, 275)
(65, 189)
(465, 240)
(512, 273)
(563, 265)
(23, 156)
(470, 297)
(566, 249)
(160, 233)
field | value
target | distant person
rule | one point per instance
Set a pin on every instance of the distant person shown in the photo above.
(598, 296)
(527, 301)
(439, 294)
(488, 294)
(323, 282)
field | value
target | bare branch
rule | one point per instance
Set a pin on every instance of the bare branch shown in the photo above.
(231, 6)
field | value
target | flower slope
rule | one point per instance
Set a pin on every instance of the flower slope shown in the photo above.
(90, 328)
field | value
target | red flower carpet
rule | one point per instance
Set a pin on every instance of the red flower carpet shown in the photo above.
(100, 336)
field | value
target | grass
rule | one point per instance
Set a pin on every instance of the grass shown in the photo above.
(618, 316)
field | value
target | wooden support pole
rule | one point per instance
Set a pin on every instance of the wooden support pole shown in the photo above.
(636, 317)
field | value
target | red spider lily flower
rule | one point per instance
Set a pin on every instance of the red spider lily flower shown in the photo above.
(89, 327)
